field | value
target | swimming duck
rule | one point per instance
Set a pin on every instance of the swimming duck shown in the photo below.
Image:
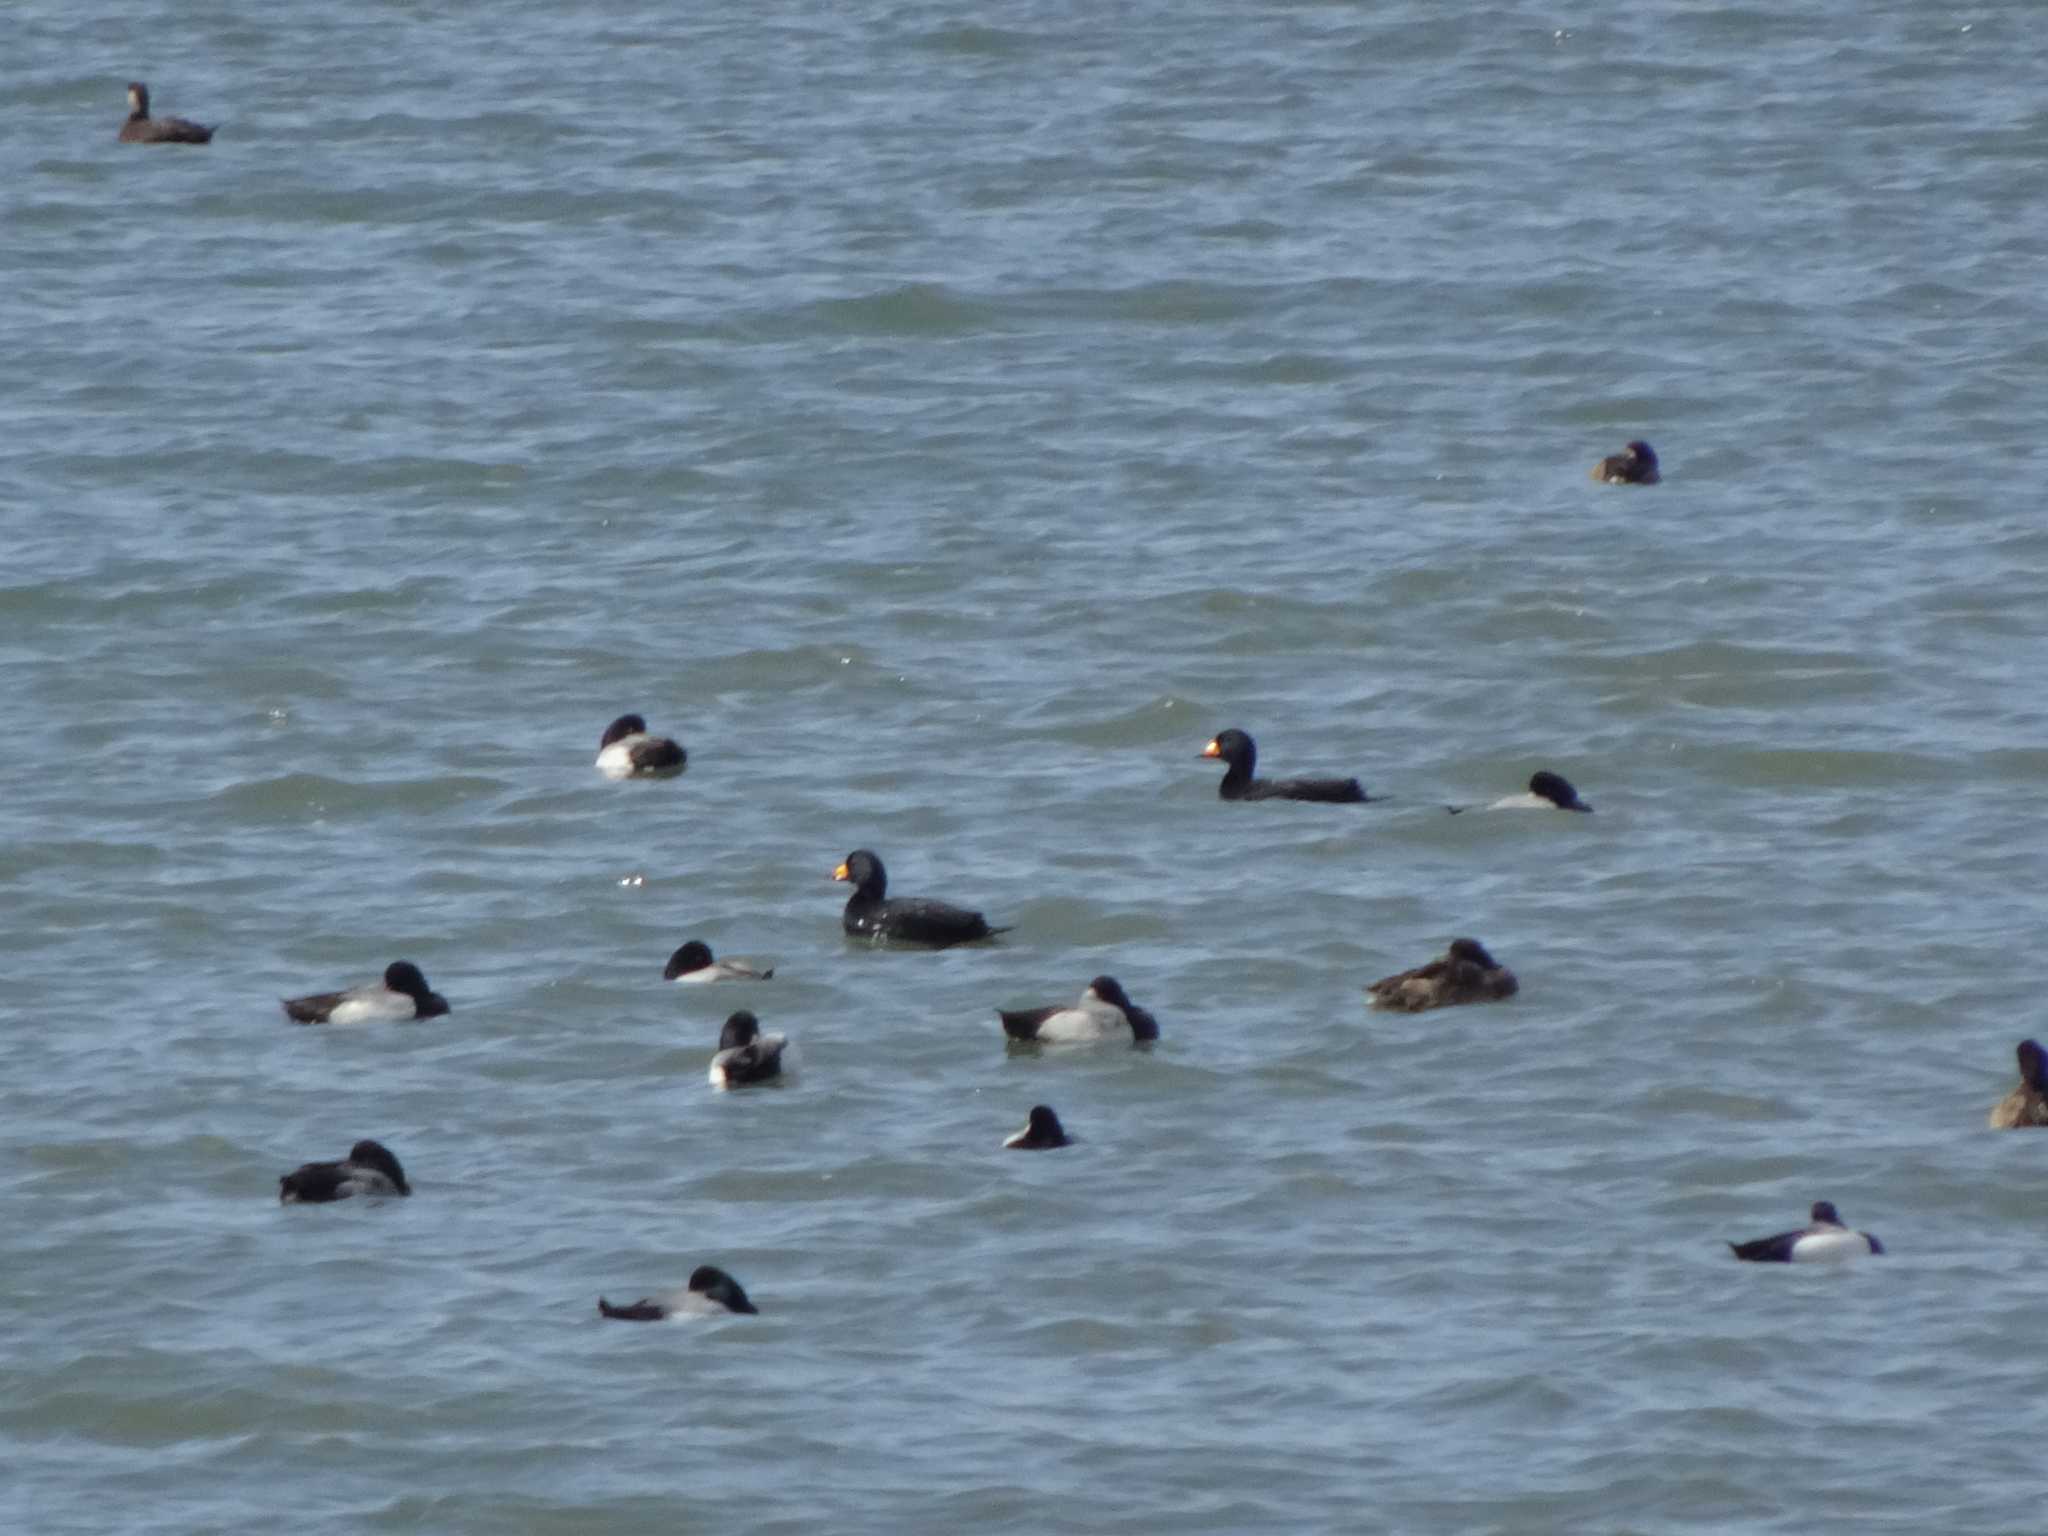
(369, 1169)
(1634, 465)
(1104, 1012)
(1547, 792)
(2027, 1104)
(626, 751)
(745, 1055)
(872, 914)
(692, 965)
(403, 994)
(141, 128)
(1242, 754)
(1826, 1240)
(711, 1292)
(1465, 973)
(1042, 1132)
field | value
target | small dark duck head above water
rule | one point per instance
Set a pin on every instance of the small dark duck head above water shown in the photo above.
(1465, 973)
(711, 1292)
(626, 751)
(1826, 1240)
(141, 128)
(871, 913)
(2026, 1105)
(1634, 465)
(1241, 753)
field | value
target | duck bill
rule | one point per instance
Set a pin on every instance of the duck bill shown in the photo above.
(1212, 750)
(841, 874)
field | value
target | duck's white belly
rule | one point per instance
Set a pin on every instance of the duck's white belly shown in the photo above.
(373, 1008)
(1079, 1026)
(1829, 1247)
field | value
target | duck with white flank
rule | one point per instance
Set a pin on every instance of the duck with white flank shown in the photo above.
(1825, 1241)
(369, 1169)
(1242, 754)
(1634, 465)
(626, 751)
(1104, 1012)
(2027, 1104)
(871, 913)
(747, 1056)
(1042, 1132)
(1465, 973)
(141, 128)
(403, 994)
(1547, 792)
(692, 965)
(710, 1293)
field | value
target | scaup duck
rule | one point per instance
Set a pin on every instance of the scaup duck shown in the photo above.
(745, 1055)
(1634, 465)
(1465, 973)
(1104, 1012)
(141, 128)
(369, 1169)
(711, 1292)
(2027, 1104)
(871, 913)
(1547, 792)
(402, 994)
(1242, 754)
(1042, 1132)
(692, 965)
(626, 751)
(1825, 1241)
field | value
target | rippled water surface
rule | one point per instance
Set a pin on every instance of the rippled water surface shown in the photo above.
(945, 422)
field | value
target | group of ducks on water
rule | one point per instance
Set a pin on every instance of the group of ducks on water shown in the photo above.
(1466, 973)
(746, 1056)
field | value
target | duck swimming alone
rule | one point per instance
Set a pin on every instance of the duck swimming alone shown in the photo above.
(1634, 465)
(1104, 1012)
(1465, 973)
(626, 751)
(1242, 754)
(1042, 1132)
(369, 1169)
(1547, 792)
(692, 965)
(1825, 1241)
(2026, 1105)
(745, 1055)
(872, 914)
(141, 128)
(711, 1292)
(403, 994)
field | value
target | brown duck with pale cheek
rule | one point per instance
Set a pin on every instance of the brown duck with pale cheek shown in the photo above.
(1634, 465)
(2026, 1105)
(141, 128)
(1466, 973)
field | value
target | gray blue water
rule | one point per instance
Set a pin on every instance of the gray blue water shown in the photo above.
(944, 422)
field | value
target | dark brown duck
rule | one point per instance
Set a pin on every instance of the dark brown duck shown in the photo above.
(141, 128)
(1466, 973)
